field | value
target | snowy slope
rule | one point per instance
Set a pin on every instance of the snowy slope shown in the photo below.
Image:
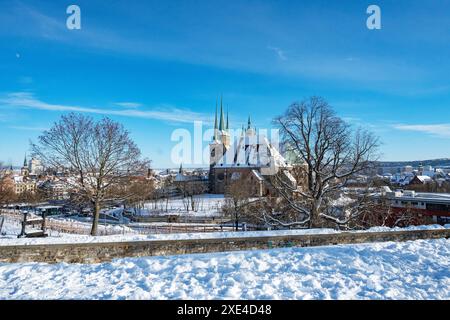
(390, 270)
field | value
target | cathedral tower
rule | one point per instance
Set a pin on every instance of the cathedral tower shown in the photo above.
(25, 170)
(221, 139)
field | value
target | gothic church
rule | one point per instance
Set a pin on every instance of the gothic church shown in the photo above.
(244, 156)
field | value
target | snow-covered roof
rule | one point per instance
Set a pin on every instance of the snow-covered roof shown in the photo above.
(424, 178)
(429, 197)
(253, 151)
(180, 177)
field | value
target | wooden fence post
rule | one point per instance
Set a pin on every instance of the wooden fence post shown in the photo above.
(24, 223)
(44, 226)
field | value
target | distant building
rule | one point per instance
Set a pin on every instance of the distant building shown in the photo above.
(22, 184)
(54, 189)
(433, 205)
(408, 169)
(420, 180)
(24, 171)
(190, 183)
(35, 167)
(402, 179)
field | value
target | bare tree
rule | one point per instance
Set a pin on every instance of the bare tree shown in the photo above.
(332, 153)
(384, 215)
(100, 155)
(135, 192)
(189, 189)
(6, 189)
(237, 199)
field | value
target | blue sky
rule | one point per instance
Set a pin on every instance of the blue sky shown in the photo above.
(156, 66)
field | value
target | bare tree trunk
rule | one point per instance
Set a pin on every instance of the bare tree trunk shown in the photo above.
(95, 218)
(315, 213)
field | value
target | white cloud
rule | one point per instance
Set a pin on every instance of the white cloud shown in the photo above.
(280, 53)
(28, 128)
(352, 120)
(438, 130)
(168, 113)
(128, 104)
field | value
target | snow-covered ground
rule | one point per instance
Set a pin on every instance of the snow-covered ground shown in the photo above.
(204, 205)
(390, 270)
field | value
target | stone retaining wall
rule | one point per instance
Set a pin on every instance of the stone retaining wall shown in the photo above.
(100, 252)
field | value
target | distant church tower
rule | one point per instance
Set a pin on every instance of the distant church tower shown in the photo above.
(221, 139)
(219, 144)
(25, 170)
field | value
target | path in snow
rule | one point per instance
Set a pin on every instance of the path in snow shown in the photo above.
(407, 270)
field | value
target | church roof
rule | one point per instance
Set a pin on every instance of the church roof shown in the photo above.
(252, 151)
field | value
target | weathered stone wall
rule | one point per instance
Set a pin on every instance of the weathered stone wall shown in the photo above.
(100, 252)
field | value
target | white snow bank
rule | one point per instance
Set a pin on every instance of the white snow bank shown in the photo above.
(420, 227)
(406, 270)
(72, 238)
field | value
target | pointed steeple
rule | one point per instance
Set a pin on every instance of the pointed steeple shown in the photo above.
(215, 122)
(249, 123)
(221, 123)
(227, 120)
(181, 168)
(215, 118)
(25, 161)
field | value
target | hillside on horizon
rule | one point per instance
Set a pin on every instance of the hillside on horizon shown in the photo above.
(441, 162)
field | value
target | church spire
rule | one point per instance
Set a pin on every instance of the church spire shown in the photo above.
(227, 120)
(181, 168)
(25, 160)
(249, 123)
(221, 123)
(215, 122)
